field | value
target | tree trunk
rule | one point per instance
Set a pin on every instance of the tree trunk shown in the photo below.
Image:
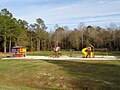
(50, 44)
(17, 42)
(4, 44)
(31, 47)
(10, 45)
(38, 44)
(82, 38)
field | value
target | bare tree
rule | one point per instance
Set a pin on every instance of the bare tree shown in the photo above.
(81, 26)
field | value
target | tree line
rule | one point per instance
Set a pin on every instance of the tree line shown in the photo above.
(17, 32)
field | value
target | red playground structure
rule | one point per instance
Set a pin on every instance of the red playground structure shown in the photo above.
(18, 51)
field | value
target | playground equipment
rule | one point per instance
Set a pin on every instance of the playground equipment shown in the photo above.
(57, 52)
(18, 51)
(84, 51)
(92, 55)
(87, 52)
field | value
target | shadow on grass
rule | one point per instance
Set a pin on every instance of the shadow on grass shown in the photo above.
(92, 75)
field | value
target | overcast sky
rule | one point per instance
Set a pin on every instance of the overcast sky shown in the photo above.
(65, 12)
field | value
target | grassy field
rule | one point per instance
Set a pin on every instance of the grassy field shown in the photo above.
(69, 53)
(48, 53)
(59, 75)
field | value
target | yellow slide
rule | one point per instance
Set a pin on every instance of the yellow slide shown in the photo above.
(92, 55)
(84, 51)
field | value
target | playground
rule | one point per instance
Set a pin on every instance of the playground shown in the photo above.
(19, 52)
(45, 55)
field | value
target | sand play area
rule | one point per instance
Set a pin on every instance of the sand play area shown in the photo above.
(66, 58)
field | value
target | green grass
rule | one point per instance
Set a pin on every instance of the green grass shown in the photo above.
(48, 53)
(10, 86)
(41, 53)
(59, 75)
(70, 53)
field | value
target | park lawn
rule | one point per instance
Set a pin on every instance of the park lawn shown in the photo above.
(59, 75)
(69, 53)
(40, 53)
(50, 53)
(11, 86)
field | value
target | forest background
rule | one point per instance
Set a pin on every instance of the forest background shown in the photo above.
(36, 37)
